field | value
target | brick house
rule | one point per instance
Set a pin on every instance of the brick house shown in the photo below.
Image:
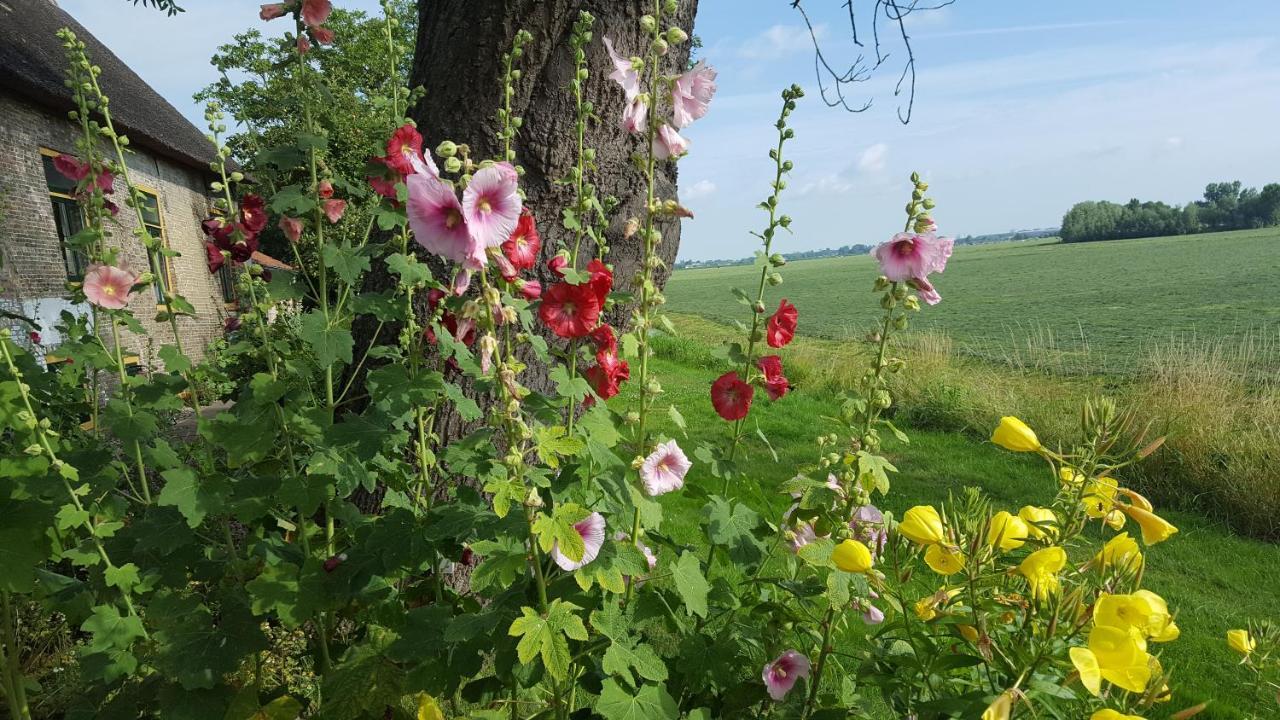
(169, 164)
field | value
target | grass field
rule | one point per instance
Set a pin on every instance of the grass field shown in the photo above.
(1098, 305)
(1214, 579)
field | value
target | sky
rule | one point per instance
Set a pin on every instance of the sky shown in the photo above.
(1022, 108)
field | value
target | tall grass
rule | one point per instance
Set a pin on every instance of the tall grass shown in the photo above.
(1218, 401)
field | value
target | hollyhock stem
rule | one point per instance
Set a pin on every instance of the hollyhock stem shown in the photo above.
(15, 690)
(127, 396)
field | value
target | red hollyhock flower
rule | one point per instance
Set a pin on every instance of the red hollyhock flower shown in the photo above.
(253, 213)
(231, 324)
(325, 190)
(243, 250)
(524, 244)
(601, 280)
(304, 45)
(604, 339)
(323, 35)
(405, 143)
(71, 168)
(218, 231)
(782, 325)
(382, 178)
(731, 397)
(557, 264)
(607, 375)
(571, 311)
(315, 12)
(215, 257)
(775, 383)
(530, 289)
(34, 337)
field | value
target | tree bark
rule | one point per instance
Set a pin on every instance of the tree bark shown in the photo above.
(459, 62)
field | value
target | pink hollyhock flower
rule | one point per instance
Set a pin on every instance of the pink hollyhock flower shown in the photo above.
(271, 11)
(624, 73)
(291, 227)
(523, 246)
(557, 264)
(669, 143)
(215, 257)
(315, 12)
(461, 281)
(731, 397)
(908, 256)
(928, 292)
(491, 204)
(664, 470)
(438, 223)
(781, 674)
(71, 168)
(775, 383)
(591, 529)
(570, 311)
(505, 268)
(324, 189)
(106, 182)
(530, 289)
(634, 115)
(802, 535)
(323, 35)
(692, 93)
(334, 209)
(781, 328)
(868, 527)
(304, 45)
(108, 286)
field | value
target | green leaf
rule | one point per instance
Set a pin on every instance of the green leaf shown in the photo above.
(730, 525)
(691, 583)
(652, 702)
(194, 499)
(124, 577)
(558, 530)
(111, 630)
(574, 388)
(330, 344)
(548, 637)
(173, 359)
(24, 542)
(348, 263)
(873, 472)
(552, 444)
(276, 590)
(412, 272)
(678, 419)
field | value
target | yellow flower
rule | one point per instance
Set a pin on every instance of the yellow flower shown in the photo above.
(1114, 520)
(1013, 434)
(1121, 655)
(1041, 569)
(1099, 496)
(922, 525)
(1136, 499)
(1086, 664)
(1069, 476)
(968, 632)
(1143, 610)
(1241, 641)
(1154, 528)
(852, 556)
(1041, 522)
(1122, 551)
(944, 561)
(428, 708)
(1006, 531)
(1109, 714)
(927, 607)
(1000, 709)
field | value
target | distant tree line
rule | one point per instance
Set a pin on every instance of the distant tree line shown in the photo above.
(846, 250)
(1226, 206)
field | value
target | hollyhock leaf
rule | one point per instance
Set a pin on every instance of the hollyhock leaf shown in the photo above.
(310, 141)
(873, 471)
(283, 158)
(389, 218)
(652, 702)
(691, 584)
(198, 649)
(621, 657)
(293, 200)
(504, 560)
(411, 271)
(109, 629)
(818, 552)
(551, 444)
(347, 262)
(124, 577)
(574, 388)
(329, 344)
(650, 509)
(275, 590)
(24, 542)
(838, 588)
(731, 524)
(466, 408)
(901, 436)
(192, 496)
(678, 419)
(128, 425)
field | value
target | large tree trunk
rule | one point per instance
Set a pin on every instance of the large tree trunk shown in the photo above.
(459, 62)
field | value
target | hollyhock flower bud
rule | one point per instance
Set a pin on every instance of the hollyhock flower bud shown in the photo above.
(452, 164)
(34, 337)
(324, 189)
(675, 35)
(333, 562)
(632, 225)
(271, 11)
(530, 289)
(304, 45)
(447, 149)
(647, 23)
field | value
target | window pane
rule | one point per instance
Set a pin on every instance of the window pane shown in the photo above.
(69, 221)
(228, 284)
(151, 212)
(56, 180)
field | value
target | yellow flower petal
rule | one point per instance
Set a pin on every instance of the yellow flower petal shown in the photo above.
(922, 525)
(852, 556)
(1121, 551)
(1041, 522)
(1109, 714)
(1041, 569)
(1000, 709)
(1154, 528)
(943, 561)
(1007, 531)
(1087, 665)
(1013, 434)
(1241, 641)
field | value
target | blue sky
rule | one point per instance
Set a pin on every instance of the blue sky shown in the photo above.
(1022, 108)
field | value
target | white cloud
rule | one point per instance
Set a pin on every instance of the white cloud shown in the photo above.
(702, 188)
(829, 184)
(872, 160)
(1174, 141)
(779, 41)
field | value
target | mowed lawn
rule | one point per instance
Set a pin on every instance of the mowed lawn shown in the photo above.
(1213, 579)
(1119, 295)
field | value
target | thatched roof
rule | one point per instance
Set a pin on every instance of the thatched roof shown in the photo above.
(31, 66)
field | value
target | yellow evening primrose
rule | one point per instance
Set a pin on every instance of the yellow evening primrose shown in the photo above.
(1122, 657)
(1114, 520)
(1099, 496)
(1041, 522)
(1006, 532)
(1154, 528)
(968, 632)
(1013, 434)
(1136, 499)
(1070, 476)
(1000, 709)
(1120, 551)
(944, 561)
(926, 608)
(1086, 664)
(852, 556)
(1143, 610)
(1109, 714)
(1161, 627)
(1241, 641)
(922, 525)
(1041, 569)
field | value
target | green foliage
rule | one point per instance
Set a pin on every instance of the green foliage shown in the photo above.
(1225, 207)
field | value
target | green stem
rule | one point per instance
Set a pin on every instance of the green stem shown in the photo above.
(15, 688)
(825, 652)
(126, 396)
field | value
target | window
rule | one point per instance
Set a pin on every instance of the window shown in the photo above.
(68, 218)
(228, 283)
(153, 221)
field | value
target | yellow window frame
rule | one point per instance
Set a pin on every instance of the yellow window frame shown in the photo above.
(171, 278)
(49, 153)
